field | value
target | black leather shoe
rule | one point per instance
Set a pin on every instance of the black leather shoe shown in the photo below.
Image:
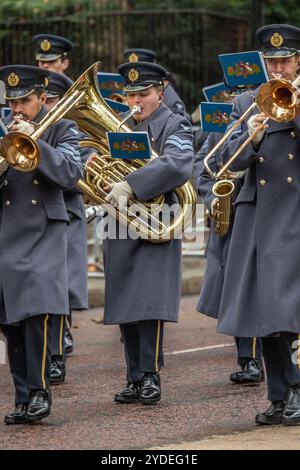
(150, 392)
(39, 405)
(251, 373)
(291, 413)
(273, 415)
(57, 370)
(68, 342)
(130, 394)
(18, 416)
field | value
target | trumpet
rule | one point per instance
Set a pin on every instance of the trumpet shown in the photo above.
(23, 155)
(279, 100)
(3, 163)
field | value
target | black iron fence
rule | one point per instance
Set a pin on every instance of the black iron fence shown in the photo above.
(186, 41)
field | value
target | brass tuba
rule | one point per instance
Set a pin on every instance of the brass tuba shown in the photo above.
(84, 104)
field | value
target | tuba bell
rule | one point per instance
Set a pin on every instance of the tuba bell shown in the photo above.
(84, 104)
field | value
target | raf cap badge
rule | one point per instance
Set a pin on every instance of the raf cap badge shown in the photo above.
(133, 57)
(276, 40)
(45, 45)
(46, 81)
(133, 75)
(13, 79)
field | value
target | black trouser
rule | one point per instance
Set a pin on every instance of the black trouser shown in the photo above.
(248, 348)
(69, 321)
(143, 347)
(58, 335)
(282, 361)
(29, 354)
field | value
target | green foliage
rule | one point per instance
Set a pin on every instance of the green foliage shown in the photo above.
(283, 12)
(14, 10)
(231, 6)
(33, 9)
(275, 11)
(188, 44)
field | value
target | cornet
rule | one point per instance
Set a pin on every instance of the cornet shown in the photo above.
(3, 163)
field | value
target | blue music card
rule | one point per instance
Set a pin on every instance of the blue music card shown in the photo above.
(215, 117)
(110, 84)
(3, 130)
(117, 106)
(5, 111)
(218, 92)
(244, 68)
(129, 145)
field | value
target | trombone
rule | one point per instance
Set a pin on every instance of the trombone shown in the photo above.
(279, 100)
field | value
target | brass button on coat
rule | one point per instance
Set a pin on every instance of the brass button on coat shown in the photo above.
(36, 182)
(7, 203)
(262, 182)
(34, 202)
(261, 159)
(293, 134)
(291, 157)
(289, 179)
(5, 183)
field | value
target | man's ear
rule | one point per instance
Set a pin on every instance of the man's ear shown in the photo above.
(161, 95)
(298, 64)
(65, 64)
(43, 98)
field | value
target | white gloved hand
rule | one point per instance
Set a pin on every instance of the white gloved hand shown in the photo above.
(252, 127)
(119, 194)
(25, 127)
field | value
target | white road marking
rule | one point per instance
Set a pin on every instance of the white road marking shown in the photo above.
(205, 348)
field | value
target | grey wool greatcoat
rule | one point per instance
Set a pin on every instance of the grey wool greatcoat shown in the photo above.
(217, 246)
(143, 279)
(77, 251)
(261, 293)
(33, 228)
(77, 243)
(173, 100)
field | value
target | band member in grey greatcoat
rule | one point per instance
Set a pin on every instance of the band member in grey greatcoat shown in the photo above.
(260, 296)
(33, 225)
(143, 279)
(171, 97)
(249, 349)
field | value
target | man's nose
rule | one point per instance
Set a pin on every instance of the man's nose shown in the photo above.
(278, 67)
(18, 108)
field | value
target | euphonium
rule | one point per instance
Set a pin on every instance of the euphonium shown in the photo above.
(94, 117)
(84, 104)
